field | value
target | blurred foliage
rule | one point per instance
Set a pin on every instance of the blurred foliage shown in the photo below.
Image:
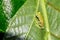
(17, 18)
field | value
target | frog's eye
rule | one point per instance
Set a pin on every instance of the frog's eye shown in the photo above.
(39, 18)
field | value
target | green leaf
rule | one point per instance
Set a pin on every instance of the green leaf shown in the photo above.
(8, 8)
(23, 24)
(54, 21)
(53, 13)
